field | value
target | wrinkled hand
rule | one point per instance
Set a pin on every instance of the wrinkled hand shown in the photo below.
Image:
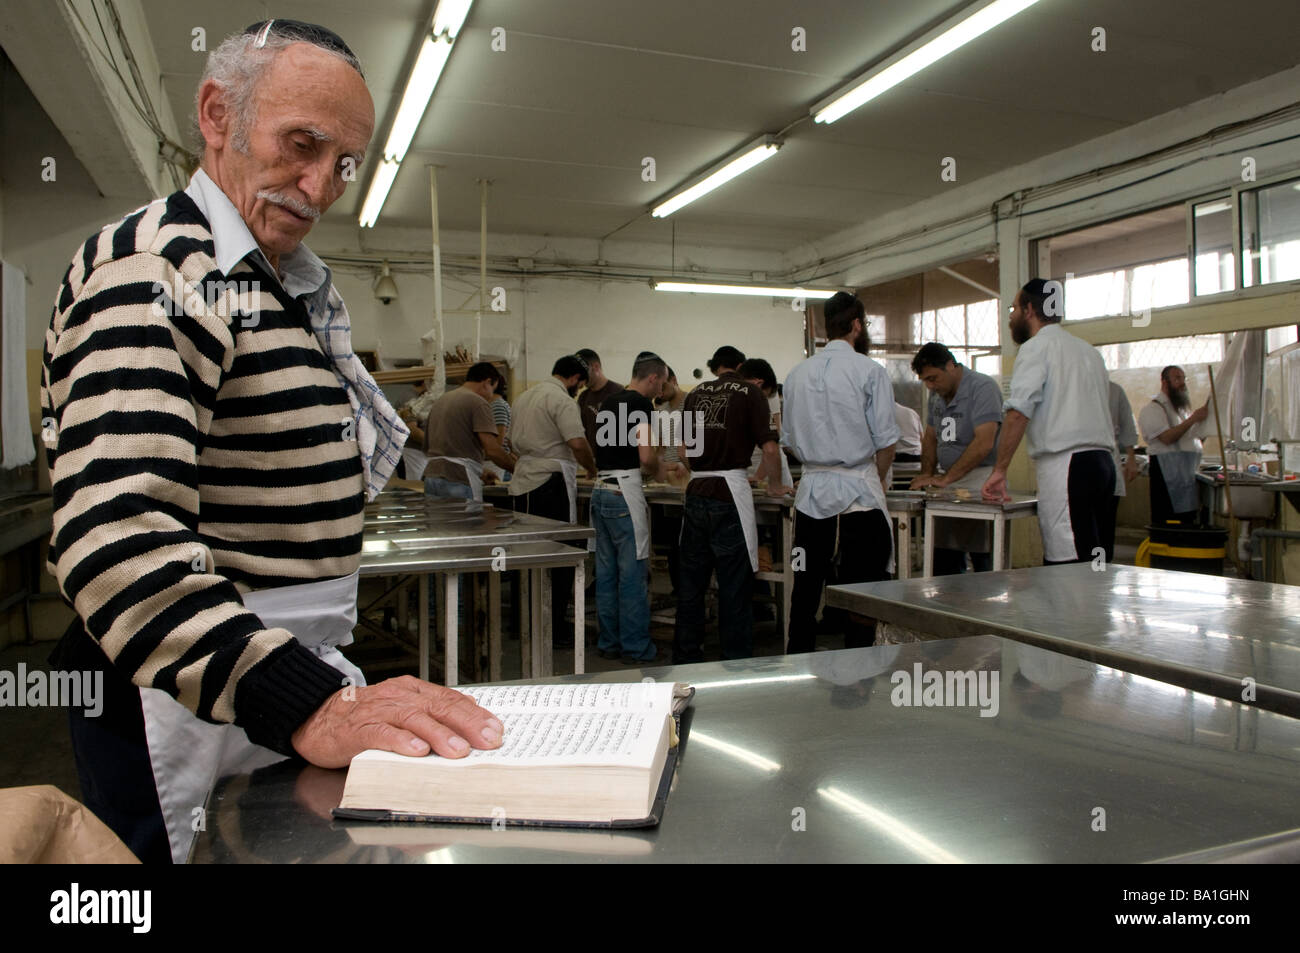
(405, 715)
(995, 488)
(776, 490)
(1130, 469)
(1200, 413)
(921, 482)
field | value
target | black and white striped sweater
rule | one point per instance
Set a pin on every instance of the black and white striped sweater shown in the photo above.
(197, 449)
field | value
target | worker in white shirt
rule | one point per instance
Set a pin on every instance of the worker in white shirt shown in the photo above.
(839, 422)
(1121, 416)
(1173, 434)
(1060, 397)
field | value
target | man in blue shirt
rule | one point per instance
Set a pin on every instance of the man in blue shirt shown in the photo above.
(839, 422)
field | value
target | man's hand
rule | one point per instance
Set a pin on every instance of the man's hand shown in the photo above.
(590, 473)
(405, 715)
(489, 478)
(1200, 413)
(995, 488)
(921, 482)
(775, 489)
(1130, 468)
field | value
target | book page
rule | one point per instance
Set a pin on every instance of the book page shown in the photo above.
(501, 700)
(560, 738)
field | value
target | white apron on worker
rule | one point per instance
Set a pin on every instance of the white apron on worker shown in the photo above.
(870, 476)
(967, 536)
(473, 473)
(743, 497)
(1178, 470)
(416, 461)
(188, 754)
(1054, 506)
(629, 484)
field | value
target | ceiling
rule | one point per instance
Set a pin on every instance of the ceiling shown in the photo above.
(560, 121)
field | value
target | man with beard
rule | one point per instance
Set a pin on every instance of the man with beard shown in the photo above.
(1060, 395)
(549, 437)
(1173, 440)
(839, 421)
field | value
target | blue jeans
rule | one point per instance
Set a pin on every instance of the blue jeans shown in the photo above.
(713, 539)
(622, 592)
(447, 489)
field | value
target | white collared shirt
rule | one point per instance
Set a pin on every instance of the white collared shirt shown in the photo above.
(1060, 383)
(1158, 416)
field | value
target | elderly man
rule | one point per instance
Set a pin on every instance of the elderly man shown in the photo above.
(1060, 395)
(211, 457)
(1173, 434)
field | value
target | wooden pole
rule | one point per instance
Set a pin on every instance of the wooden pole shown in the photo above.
(1227, 484)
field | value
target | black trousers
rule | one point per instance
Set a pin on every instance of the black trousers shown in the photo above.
(865, 541)
(112, 753)
(1091, 490)
(551, 500)
(1162, 507)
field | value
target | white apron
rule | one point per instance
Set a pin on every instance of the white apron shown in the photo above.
(875, 492)
(743, 497)
(473, 473)
(416, 461)
(629, 484)
(967, 536)
(1054, 506)
(188, 754)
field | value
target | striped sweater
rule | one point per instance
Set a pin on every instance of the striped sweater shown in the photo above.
(198, 449)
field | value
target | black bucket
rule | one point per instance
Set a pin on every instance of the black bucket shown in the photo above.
(1188, 550)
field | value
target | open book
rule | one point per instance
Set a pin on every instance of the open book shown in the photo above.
(593, 754)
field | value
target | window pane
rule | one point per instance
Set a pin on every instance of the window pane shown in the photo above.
(1199, 349)
(1157, 286)
(1212, 240)
(982, 320)
(1094, 296)
(951, 325)
(1280, 337)
(1270, 234)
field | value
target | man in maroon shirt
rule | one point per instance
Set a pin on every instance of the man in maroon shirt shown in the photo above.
(729, 417)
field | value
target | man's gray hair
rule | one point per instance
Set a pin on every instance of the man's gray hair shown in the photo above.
(242, 60)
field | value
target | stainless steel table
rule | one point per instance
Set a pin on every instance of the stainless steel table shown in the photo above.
(805, 759)
(950, 506)
(1201, 633)
(408, 533)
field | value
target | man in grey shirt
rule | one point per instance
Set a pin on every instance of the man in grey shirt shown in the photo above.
(963, 417)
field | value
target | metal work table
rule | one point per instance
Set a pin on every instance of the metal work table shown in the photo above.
(25, 520)
(1197, 632)
(1289, 489)
(950, 506)
(407, 533)
(903, 507)
(804, 758)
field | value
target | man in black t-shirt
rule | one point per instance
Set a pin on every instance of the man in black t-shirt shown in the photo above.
(723, 420)
(619, 514)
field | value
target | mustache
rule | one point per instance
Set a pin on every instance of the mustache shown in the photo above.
(291, 203)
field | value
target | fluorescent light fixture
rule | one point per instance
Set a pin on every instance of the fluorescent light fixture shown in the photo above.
(762, 291)
(434, 51)
(450, 17)
(379, 186)
(748, 157)
(952, 34)
(1213, 208)
(890, 826)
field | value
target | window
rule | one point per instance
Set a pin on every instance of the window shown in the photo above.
(1278, 338)
(1212, 240)
(1270, 234)
(1196, 350)
(964, 329)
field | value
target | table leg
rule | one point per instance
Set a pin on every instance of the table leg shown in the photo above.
(787, 573)
(544, 648)
(450, 610)
(524, 613)
(580, 618)
(536, 624)
(927, 565)
(904, 559)
(494, 626)
(423, 596)
(999, 535)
